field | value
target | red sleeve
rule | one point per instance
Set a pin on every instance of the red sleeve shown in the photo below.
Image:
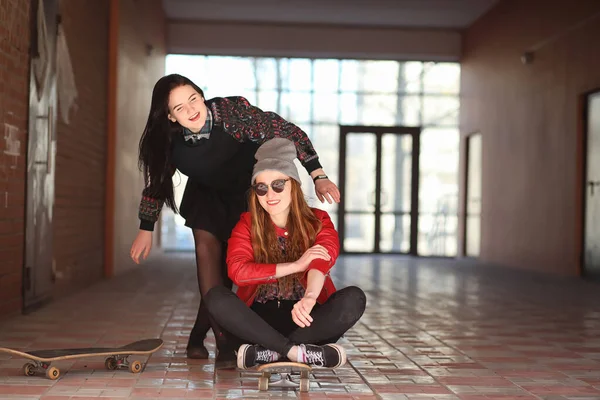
(241, 268)
(328, 238)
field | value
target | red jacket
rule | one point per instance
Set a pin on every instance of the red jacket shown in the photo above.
(247, 274)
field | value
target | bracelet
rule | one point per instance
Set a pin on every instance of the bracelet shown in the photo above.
(319, 177)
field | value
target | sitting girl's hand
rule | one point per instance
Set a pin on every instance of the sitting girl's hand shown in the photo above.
(302, 309)
(313, 253)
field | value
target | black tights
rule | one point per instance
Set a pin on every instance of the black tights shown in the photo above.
(211, 271)
(271, 326)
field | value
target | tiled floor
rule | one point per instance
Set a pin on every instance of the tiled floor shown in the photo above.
(433, 329)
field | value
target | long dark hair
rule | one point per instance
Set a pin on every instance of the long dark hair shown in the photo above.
(155, 144)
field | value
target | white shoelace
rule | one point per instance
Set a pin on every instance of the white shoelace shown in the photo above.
(314, 358)
(267, 356)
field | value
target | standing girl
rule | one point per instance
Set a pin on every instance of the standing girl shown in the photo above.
(213, 142)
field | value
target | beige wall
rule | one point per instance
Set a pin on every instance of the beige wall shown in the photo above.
(138, 69)
(285, 40)
(528, 117)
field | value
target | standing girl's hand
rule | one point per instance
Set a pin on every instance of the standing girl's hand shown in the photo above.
(327, 190)
(141, 246)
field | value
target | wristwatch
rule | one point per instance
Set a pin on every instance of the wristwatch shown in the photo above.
(320, 177)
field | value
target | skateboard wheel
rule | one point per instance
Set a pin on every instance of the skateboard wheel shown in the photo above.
(111, 363)
(29, 369)
(304, 385)
(135, 367)
(52, 373)
(263, 383)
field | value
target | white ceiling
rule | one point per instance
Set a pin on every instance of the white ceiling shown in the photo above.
(437, 14)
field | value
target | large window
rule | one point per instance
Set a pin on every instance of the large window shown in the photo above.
(318, 95)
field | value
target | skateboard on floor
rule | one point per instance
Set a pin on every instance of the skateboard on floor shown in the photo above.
(285, 370)
(117, 357)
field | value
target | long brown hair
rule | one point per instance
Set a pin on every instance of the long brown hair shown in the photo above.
(302, 227)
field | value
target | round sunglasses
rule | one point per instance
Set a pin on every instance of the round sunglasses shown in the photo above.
(278, 185)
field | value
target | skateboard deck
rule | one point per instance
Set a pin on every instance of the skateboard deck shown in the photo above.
(285, 370)
(117, 357)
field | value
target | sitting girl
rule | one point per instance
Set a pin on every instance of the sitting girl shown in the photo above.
(279, 255)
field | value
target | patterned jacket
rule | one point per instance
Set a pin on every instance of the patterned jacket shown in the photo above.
(245, 123)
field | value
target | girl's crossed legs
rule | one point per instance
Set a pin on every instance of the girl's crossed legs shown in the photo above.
(274, 335)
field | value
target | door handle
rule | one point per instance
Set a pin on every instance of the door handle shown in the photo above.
(593, 184)
(49, 122)
(49, 150)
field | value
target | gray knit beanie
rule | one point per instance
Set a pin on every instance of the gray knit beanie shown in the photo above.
(277, 154)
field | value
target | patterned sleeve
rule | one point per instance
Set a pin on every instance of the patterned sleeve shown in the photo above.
(149, 211)
(244, 122)
(151, 205)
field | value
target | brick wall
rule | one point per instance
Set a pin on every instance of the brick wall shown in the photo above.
(14, 89)
(81, 150)
(80, 187)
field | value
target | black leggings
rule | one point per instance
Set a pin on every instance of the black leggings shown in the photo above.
(273, 328)
(212, 271)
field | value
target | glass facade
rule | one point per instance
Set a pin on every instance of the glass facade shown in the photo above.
(318, 95)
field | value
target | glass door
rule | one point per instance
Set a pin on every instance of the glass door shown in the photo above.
(472, 224)
(379, 184)
(357, 206)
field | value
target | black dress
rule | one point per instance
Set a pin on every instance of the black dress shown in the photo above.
(219, 170)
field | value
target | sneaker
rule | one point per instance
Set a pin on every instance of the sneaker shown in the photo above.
(328, 356)
(251, 355)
